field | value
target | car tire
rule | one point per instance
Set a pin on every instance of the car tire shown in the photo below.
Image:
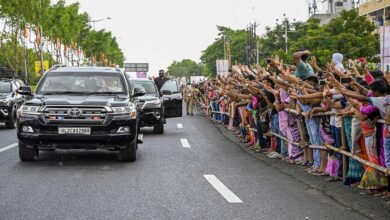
(129, 154)
(11, 120)
(159, 128)
(27, 154)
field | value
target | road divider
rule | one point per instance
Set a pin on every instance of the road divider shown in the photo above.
(8, 147)
(184, 143)
(222, 189)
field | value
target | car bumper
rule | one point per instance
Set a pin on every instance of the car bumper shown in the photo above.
(150, 117)
(103, 136)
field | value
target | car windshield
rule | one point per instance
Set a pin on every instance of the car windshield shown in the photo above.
(5, 87)
(148, 85)
(95, 83)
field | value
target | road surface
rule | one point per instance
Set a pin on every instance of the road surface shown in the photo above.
(195, 170)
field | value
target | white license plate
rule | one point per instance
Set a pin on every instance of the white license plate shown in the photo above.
(83, 131)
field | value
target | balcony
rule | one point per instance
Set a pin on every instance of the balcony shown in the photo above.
(373, 7)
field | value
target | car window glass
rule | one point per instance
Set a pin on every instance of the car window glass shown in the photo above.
(5, 87)
(82, 82)
(148, 85)
(170, 86)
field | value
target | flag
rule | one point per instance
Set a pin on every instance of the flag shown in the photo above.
(58, 43)
(38, 36)
(26, 33)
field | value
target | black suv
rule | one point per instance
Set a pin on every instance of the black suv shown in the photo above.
(80, 108)
(10, 100)
(156, 106)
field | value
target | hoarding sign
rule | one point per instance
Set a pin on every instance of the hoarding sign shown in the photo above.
(137, 67)
(222, 67)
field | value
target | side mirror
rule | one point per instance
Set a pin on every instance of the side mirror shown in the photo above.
(24, 90)
(139, 91)
(166, 92)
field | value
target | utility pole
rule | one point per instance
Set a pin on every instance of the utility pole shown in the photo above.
(41, 41)
(285, 32)
(384, 36)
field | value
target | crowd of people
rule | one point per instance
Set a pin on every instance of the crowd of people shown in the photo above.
(293, 112)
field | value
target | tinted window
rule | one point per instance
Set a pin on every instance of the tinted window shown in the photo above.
(5, 87)
(149, 86)
(97, 83)
(170, 86)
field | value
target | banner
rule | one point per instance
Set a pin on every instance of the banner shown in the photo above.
(38, 67)
(142, 75)
(222, 67)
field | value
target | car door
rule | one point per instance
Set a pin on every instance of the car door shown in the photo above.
(172, 99)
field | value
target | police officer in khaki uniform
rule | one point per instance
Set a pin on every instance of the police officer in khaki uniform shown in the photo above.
(189, 98)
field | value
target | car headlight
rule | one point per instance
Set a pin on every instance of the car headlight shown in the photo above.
(153, 104)
(131, 109)
(5, 101)
(28, 110)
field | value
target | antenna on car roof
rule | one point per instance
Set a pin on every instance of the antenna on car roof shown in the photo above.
(56, 66)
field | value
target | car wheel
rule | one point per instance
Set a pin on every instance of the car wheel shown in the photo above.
(159, 128)
(129, 154)
(27, 154)
(11, 120)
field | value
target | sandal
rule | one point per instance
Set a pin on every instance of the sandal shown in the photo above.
(333, 179)
(321, 174)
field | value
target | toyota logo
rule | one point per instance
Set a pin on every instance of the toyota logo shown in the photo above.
(75, 112)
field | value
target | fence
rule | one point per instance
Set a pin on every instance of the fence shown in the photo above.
(341, 150)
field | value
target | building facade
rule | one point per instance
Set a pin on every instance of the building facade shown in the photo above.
(378, 11)
(326, 10)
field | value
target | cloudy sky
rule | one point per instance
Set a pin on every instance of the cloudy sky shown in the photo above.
(161, 31)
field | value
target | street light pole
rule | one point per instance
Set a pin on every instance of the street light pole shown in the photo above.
(99, 20)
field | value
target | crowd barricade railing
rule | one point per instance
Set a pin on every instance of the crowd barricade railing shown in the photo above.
(342, 150)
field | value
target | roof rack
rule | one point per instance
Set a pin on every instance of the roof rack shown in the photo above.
(7, 73)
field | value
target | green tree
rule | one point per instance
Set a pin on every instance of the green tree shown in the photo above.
(237, 39)
(349, 34)
(185, 68)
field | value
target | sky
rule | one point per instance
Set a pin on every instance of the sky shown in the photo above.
(159, 32)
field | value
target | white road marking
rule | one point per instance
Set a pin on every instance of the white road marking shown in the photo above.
(222, 189)
(8, 147)
(179, 125)
(184, 143)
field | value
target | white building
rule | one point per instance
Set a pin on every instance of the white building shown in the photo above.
(326, 10)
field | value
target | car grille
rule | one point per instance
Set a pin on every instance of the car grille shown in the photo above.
(87, 114)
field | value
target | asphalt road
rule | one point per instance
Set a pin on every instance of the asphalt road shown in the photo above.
(194, 172)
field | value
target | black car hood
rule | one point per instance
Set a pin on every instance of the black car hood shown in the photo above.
(148, 97)
(71, 100)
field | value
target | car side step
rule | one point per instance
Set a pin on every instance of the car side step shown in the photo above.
(140, 138)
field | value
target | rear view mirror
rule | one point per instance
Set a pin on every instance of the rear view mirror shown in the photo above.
(24, 90)
(166, 92)
(139, 91)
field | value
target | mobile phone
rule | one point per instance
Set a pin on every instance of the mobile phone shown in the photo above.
(322, 82)
(345, 80)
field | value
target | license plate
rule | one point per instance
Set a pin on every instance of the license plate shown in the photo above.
(83, 131)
